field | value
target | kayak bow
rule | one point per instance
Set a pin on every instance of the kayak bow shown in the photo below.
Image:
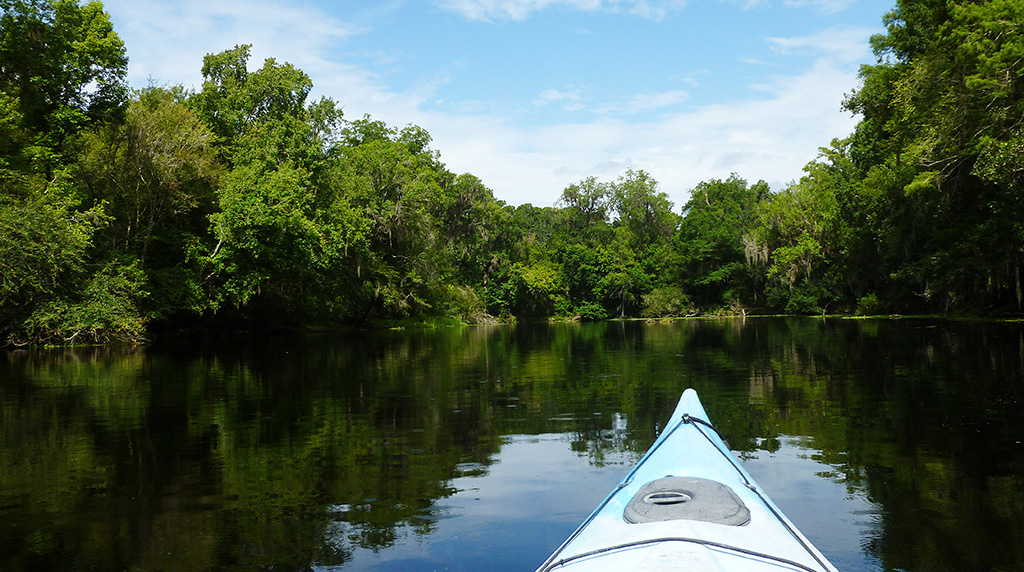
(688, 505)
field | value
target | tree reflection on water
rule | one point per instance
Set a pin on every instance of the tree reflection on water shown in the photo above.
(298, 452)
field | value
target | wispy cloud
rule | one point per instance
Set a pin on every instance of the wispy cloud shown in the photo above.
(489, 10)
(819, 6)
(167, 40)
(570, 100)
(645, 102)
(846, 44)
(653, 101)
(510, 9)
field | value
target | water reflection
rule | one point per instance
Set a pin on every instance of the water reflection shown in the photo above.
(409, 449)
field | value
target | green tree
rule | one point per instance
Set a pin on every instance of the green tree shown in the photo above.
(470, 218)
(526, 235)
(153, 170)
(430, 236)
(281, 236)
(856, 264)
(941, 113)
(397, 268)
(537, 290)
(585, 228)
(280, 230)
(62, 71)
(234, 101)
(65, 68)
(585, 208)
(44, 242)
(623, 279)
(793, 238)
(643, 209)
(711, 259)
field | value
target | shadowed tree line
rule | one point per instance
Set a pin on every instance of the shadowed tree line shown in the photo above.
(245, 204)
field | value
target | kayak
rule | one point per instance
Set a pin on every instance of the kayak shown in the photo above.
(688, 505)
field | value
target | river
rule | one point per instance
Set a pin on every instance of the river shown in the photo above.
(892, 444)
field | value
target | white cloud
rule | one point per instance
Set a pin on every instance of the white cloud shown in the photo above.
(510, 9)
(820, 6)
(521, 9)
(644, 102)
(571, 100)
(844, 43)
(771, 138)
(167, 40)
(637, 103)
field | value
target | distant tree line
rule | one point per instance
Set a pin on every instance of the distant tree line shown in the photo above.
(245, 204)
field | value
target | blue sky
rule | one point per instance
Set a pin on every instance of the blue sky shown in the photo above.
(532, 95)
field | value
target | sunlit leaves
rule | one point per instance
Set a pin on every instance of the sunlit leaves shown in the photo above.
(105, 311)
(233, 99)
(43, 251)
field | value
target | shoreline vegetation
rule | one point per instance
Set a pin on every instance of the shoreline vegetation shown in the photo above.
(244, 206)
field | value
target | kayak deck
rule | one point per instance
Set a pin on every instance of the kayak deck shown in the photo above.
(688, 505)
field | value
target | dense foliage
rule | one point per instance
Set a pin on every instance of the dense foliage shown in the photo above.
(245, 204)
(927, 197)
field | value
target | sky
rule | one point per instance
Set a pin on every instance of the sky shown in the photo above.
(534, 95)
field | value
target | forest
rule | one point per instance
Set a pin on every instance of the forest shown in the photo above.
(245, 205)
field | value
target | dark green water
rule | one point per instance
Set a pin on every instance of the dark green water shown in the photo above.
(894, 445)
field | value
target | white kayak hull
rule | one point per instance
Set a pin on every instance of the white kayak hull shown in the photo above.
(688, 505)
